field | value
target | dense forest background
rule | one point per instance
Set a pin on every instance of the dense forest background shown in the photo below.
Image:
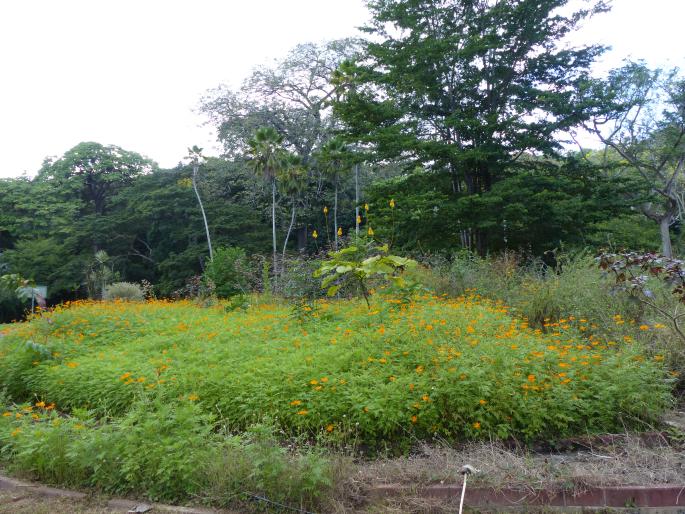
(458, 127)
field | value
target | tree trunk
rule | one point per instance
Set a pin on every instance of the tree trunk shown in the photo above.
(356, 199)
(273, 226)
(287, 236)
(335, 214)
(664, 225)
(204, 216)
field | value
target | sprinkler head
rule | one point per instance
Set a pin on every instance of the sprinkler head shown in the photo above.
(468, 470)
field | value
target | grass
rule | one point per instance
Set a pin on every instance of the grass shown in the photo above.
(175, 401)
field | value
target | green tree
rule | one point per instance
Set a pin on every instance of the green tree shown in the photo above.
(466, 86)
(335, 160)
(267, 160)
(293, 183)
(641, 117)
(195, 156)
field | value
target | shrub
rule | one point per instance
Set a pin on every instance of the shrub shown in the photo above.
(123, 291)
(228, 272)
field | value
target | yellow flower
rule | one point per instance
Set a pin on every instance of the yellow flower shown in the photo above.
(476, 425)
(370, 231)
(15, 432)
(6, 414)
(658, 357)
(124, 376)
(644, 327)
(419, 369)
(303, 412)
(426, 398)
(482, 402)
(414, 419)
(329, 428)
(193, 397)
(359, 220)
(295, 403)
(315, 234)
(340, 231)
(325, 211)
(40, 404)
(392, 203)
(324, 379)
(313, 381)
(72, 364)
(366, 207)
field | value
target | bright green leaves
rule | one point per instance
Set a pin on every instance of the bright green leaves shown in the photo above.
(359, 265)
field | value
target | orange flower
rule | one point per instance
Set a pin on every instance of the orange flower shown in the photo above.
(303, 412)
(531, 378)
(414, 419)
(476, 425)
(482, 402)
(294, 403)
(329, 428)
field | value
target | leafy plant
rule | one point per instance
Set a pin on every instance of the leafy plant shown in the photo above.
(123, 291)
(360, 263)
(228, 272)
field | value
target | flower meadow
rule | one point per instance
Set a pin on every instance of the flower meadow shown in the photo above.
(458, 368)
(154, 380)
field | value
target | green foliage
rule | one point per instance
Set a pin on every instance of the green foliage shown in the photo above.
(228, 272)
(123, 291)
(360, 263)
(167, 451)
(384, 376)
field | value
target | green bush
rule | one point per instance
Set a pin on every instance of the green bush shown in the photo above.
(229, 272)
(164, 450)
(123, 291)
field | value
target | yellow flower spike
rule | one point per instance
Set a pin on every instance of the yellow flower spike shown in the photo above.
(359, 220)
(392, 203)
(325, 211)
(370, 231)
(315, 234)
(340, 231)
(366, 207)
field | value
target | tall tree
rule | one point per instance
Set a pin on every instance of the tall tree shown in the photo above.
(335, 160)
(293, 183)
(95, 172)
(466, 86)
(641, 117)
(267, 160)
(293, 96)
(195, 156)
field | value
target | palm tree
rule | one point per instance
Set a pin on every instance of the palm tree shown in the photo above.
(267, 160)
(293, 182)
(335, 160)
(195, 156)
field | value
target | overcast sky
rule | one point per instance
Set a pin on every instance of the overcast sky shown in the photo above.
(130, 72)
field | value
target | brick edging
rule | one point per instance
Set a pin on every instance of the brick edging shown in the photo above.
(610, 496)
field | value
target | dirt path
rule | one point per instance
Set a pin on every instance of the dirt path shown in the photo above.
(18, 502)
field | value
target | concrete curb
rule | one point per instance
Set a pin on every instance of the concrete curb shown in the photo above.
(13, 484)
(592, 497)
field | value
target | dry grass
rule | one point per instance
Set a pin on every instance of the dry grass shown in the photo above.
(627, 460)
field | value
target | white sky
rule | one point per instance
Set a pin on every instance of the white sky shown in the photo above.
(130, 72)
